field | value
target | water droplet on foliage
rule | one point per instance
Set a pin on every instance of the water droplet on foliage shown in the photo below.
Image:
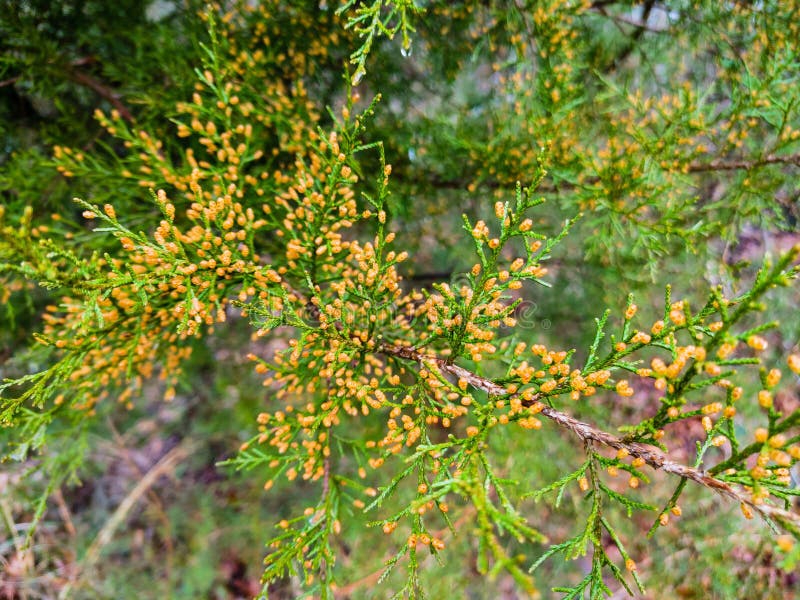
(358, 76)
(406, 50)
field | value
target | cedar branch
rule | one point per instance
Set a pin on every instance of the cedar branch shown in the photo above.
(588, 433)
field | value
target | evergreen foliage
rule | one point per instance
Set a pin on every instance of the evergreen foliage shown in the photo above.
(365, 203)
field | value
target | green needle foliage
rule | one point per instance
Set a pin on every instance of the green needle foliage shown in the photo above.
(370, 231)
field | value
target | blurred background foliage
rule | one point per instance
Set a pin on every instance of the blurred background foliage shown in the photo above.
(672, 127)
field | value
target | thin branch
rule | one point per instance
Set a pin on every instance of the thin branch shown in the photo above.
(151, 495)
(88, 81)
(735, 165)
(165, 465)
(326, 477)
(639, 25)
(63, 511)
(8, 519)
(588, 433)
(101, 90)
(740, 164)
(10, 81)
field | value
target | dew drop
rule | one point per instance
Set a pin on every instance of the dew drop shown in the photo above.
(358, 76)
(406, 50)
